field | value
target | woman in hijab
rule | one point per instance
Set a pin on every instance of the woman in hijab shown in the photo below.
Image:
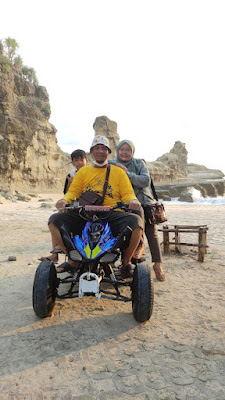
(138, 174)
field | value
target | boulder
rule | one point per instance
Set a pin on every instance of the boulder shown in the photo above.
(3, 200)
(186, 197)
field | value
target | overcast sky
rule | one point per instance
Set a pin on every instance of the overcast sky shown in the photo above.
(157, 68)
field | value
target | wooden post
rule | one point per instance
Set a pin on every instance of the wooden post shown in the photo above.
(205, 234)
(166, 240)
(177, 240)
(201, 244)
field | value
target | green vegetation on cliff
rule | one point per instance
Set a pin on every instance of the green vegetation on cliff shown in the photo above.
(10, 60)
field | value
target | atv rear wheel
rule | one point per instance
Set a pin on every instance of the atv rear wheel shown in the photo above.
(44, 289)
(142, 293)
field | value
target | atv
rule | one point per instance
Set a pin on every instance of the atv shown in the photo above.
(98, 254)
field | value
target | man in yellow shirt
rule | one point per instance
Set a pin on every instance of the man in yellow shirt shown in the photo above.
(119, 188)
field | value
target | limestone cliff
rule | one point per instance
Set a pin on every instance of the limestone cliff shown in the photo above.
(29, 154)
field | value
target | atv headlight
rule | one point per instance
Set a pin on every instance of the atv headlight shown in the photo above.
(75, 255)
(108, 258)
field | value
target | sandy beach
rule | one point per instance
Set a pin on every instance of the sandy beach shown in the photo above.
(91, 349)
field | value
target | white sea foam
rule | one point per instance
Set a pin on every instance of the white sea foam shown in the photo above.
(199, 199)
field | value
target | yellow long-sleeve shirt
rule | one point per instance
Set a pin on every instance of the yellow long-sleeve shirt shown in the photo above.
(91, 178)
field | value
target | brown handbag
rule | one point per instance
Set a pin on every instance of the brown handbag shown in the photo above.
(92, 198)
(155, 212)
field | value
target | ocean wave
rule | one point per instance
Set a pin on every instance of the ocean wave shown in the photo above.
(198, 199)
(202, 200)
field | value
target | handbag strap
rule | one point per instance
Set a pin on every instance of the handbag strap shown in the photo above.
(154, 191)
(106, 182)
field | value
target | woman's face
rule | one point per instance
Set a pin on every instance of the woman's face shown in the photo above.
(125, 152)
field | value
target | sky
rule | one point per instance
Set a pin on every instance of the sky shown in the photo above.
(157, 68)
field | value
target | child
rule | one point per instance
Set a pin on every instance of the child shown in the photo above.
(78, 159)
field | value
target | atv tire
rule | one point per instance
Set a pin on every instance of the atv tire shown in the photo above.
(44, 289)
(142, 293)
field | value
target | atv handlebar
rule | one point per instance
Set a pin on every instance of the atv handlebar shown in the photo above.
(88, 211)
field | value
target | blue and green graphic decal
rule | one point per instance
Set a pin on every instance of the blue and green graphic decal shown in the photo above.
(105, 242)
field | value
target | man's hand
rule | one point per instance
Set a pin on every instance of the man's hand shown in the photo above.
(61, 204)
(134, 204)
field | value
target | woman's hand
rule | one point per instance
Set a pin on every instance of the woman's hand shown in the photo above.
(121, 166)
(61, 204)
(134, 204)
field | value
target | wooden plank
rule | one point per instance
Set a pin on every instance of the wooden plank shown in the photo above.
(179, 230)
(185, 244)
(191, 226)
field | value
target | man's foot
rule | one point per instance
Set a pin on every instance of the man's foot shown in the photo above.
(52, 257)
(56, 250)
(69, 266)
(159, 273)
(139, 250)
(127, 271)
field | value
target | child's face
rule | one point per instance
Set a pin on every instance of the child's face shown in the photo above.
(79, 162)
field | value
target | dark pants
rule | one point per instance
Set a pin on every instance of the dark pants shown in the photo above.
(118, 222)
(151, 233)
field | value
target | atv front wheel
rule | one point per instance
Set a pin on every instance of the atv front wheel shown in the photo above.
(142, 293)
(44, 289)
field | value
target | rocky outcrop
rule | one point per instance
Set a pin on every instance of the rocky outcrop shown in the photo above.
(159, 171)
(29, 154)
(104, 126)
(176, 161)
(183, 190)
(174, 177)
(196, 171)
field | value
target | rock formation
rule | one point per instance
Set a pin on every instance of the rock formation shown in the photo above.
(196, 171)
(176, 160)
(104, 126)
(29, 154)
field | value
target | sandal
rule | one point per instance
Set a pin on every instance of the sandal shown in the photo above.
(48, 259)
(128, 271)
(56, 250)
(137, 260)
(159, 273)
(65, 267)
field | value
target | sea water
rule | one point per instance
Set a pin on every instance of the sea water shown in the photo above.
(198, 199)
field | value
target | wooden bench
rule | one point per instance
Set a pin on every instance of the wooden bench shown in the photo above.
(201, 230)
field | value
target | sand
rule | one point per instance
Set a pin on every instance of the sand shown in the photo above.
(91, 349)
